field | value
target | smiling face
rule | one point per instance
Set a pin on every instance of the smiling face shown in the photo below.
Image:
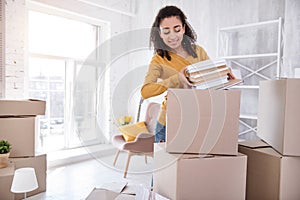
(171, 32)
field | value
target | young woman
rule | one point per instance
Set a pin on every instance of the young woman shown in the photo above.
(174, 40)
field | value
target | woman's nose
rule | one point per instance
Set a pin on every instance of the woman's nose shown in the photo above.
(172, 35)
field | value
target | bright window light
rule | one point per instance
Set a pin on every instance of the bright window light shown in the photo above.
(56, 46)
(60, 36)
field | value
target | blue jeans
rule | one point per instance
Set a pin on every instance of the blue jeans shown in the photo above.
(160, 133)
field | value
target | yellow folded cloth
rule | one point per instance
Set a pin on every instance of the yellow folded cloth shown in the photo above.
(130, 131)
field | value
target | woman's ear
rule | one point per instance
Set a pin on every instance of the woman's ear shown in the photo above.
(183, 29)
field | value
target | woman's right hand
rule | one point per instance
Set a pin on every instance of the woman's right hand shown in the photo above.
(183, 80)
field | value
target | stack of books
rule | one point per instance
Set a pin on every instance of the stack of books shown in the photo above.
(210, 74)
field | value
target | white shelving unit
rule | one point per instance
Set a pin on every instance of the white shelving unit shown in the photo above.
(272, 62)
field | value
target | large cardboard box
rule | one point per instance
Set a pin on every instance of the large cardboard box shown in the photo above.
(269, 174)
(203, 121)
(279, 114)
(6, 177)
(28, 107)
(190, 176)
(39, 163)
(19, 131)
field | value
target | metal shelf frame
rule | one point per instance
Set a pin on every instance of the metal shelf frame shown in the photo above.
(253, 72)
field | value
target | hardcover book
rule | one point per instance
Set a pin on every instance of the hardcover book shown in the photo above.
(211, 74)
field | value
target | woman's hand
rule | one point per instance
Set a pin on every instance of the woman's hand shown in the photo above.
(230, 75)
(183, 80)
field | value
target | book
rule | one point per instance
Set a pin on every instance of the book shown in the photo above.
(211, 83)
(200, 78)
(208, 71)
(211, 74)
(206, 64)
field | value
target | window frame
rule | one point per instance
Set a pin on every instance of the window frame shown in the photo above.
(102, 29)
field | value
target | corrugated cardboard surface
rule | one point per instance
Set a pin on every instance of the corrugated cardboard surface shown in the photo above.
(39, 163)
(6, 177)
(191, 176)
(278, 115)
(22, 107)
(202, 121)
(19, 131)
(271, 175)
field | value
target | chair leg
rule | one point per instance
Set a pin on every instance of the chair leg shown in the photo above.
(145, 158)
(127, 164)
(116, 157)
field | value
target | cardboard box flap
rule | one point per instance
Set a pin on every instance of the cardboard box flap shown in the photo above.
(113, 191)
(260, 146)
(254, 144)
(98, 193)
(195, 156)
(207, 156)
(270, 151)
(143, 192)
(125, 197)
(117, 187)
(129, 189)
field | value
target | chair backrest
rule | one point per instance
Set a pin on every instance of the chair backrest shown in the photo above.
(151, 117)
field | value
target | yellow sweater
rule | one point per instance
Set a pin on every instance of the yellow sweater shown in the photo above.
(167, 71)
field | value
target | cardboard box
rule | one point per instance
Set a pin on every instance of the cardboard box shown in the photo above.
(6, 178)
(111, 191)
(39, 163)
(104, 194)
(190, 176)
(279, 114)
(269, 174)
(19, 131)
(203, 121)
(28, 107)
(143, 192)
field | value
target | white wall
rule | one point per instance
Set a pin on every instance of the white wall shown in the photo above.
(15, 45)
(204, 15)
(130, 22)
(207, 16)
(291, 51)
(119, 21)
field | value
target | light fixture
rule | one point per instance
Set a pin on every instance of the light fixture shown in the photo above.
(24, 181)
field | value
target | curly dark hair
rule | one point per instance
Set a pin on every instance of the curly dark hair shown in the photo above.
(189, 38)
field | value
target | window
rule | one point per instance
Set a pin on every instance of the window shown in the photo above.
(56, 46)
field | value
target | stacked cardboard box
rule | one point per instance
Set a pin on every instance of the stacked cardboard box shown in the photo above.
(18, 124)
(273, 166)
(6, 177)
(200, 159)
